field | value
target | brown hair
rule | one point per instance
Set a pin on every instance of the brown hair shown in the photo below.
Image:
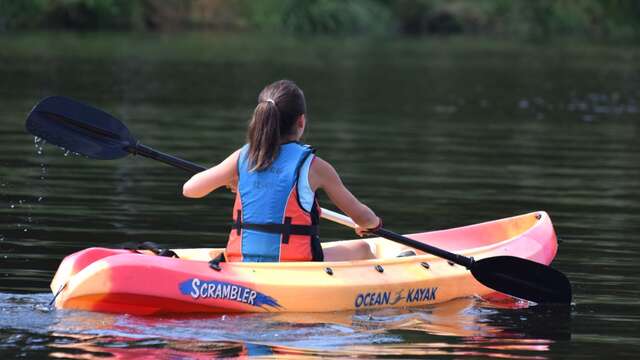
(279, 105)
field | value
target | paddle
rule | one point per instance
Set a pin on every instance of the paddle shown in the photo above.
(511, 275)
(83, 129)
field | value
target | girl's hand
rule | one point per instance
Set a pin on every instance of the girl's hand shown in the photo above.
(361, 231)
(366, 231)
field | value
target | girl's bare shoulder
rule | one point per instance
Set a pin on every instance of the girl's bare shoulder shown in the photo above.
(323, 174)
(321, 166)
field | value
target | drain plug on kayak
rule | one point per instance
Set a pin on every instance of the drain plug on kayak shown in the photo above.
(328, 271)
(379, 268)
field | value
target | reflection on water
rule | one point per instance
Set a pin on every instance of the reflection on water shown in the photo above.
(464, 327)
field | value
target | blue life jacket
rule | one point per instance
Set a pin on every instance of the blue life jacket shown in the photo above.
(276, 214)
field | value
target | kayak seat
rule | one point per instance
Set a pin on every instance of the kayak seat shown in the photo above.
(350, 250)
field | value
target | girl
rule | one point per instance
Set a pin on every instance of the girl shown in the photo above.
(275, 177)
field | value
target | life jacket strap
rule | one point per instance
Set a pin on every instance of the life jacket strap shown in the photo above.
(286, 229)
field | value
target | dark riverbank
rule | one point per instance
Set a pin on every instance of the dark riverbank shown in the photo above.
(541, 20)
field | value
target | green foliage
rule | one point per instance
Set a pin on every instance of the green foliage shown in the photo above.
(94, 14)
(21, 13)
(587, 18)
(334, 17)
(539, 19)
(522, 19)
(75, 14)
(430, 16)
(321, 16)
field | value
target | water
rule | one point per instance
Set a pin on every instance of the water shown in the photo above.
(431, 134)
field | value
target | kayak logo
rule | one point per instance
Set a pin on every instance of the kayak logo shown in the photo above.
(203, 289)
(421, 295)
(414, 295)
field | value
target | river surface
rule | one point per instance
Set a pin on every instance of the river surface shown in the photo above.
(431, 134)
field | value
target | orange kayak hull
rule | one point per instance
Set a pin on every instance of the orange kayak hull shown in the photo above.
(359, 274)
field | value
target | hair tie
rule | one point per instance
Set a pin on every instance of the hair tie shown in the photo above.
(271, 101)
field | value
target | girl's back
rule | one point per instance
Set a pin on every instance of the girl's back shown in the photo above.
(275, 177)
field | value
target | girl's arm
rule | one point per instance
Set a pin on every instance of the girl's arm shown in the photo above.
(223, 174)
(323, 176)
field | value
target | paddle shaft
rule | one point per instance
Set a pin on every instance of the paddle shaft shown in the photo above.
(143, 150)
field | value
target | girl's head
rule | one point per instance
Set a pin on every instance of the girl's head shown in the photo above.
(278, 117)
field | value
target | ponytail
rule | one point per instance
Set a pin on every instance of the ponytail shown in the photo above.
(279, 106)
(264, 135)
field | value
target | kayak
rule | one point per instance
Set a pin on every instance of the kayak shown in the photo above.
(356, 274)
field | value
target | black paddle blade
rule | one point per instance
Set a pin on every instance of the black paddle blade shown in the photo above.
(524, 279)
(79, 128)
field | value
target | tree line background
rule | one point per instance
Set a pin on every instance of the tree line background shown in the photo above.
(534, 19)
